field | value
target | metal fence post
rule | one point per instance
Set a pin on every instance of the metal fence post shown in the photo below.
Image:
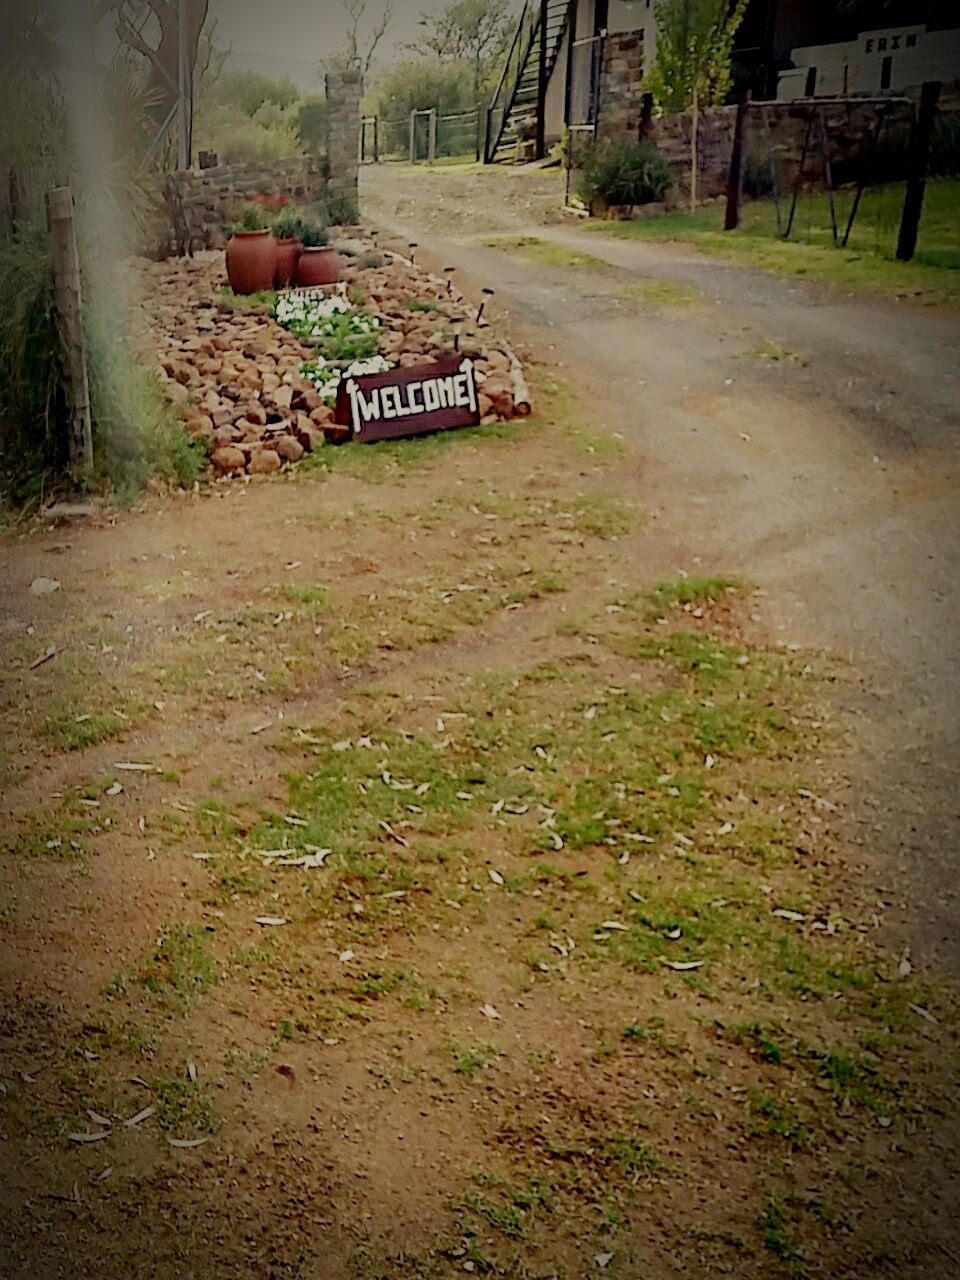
(66, 273)
(413, 137)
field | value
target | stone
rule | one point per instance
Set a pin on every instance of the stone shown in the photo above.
(282, 397)
(321, 415)
(290, 450)
(229, 460)
(264, 462)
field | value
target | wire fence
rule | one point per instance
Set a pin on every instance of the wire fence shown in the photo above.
(423, 137)
(854, 188)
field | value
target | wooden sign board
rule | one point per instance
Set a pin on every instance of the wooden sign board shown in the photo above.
(411, 401)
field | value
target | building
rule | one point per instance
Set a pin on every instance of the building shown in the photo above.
(553, 75)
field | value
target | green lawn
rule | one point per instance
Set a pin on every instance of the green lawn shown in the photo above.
(868, 262)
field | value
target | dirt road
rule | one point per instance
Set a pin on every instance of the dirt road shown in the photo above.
(427, 862)
(806, 441)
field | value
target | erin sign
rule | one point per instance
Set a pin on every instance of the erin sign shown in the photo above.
(409, 402)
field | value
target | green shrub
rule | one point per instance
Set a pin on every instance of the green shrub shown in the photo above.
(286, 225)
(252, 218)
(342, 211)
(625, 172)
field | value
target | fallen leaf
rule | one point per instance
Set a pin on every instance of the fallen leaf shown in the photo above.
(489, 1011)
(45, 586)
(127, 767)
(785, 914)
(187, 1143)
(114, 790)
(44, 657)
(603, 1260)
(924, 1013)
(89, 1137)
(682, 966)
(345, 956)
(267, 921)
(99, 1119)
(495, 876)
(614, 924)
(139, 1118)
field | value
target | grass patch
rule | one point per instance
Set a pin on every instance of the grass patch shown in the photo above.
(770, 351)
(869, 262)
(265, 298)
(468, 1061)
(183, 1108)
(177, 970)
(663, 293)
(544, 253)
(688, 591)
(68, 729)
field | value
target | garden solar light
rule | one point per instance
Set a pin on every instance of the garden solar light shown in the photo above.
(487, 293)
(412, 246)
(448, 271)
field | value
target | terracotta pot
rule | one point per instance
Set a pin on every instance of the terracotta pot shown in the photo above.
(318, 266)
(288, 255)
(251, 261)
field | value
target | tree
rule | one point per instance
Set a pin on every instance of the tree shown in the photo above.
(151, 29)
(355, 56)
(474, 31)
(692, 68)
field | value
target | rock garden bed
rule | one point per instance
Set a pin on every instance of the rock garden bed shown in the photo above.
(255, 379)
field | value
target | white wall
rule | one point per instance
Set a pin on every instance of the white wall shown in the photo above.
(856, 66)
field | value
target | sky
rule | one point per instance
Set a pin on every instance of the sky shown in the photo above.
(289, 37)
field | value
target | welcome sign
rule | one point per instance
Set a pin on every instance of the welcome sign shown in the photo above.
(410, 402)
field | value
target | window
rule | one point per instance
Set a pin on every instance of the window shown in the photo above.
(811, 85)
(886, 72)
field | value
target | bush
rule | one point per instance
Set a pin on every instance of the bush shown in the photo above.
(625, 172)
(342, 211)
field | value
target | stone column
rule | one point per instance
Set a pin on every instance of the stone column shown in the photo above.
(343, 132)
(621, 87)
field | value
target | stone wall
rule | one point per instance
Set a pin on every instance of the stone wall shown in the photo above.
(200, 205)
(848, 124)
(195, 208)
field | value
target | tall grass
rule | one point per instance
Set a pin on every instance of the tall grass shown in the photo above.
(136, 433)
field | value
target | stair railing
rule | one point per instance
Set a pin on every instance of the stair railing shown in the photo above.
(513, 69)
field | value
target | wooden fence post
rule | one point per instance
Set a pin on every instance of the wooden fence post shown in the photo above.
(432, 135)
(66, 273)
(919, 160)
(735, 172)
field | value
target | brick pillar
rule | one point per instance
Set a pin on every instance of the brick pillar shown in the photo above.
(343, 131)
(621, 86)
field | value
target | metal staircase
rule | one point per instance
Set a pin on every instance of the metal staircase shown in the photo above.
(517, 110)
